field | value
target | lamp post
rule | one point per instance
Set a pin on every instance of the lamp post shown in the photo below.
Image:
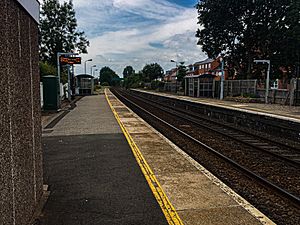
(85, 64)
(176, 63)
(92, 69)
(94, 72)
(222, 78)
(268, 77)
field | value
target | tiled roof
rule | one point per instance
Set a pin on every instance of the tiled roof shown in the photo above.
(208, 60)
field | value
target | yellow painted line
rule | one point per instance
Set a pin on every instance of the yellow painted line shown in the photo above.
(162, 199)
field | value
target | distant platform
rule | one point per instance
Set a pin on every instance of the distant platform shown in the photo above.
(291, 113)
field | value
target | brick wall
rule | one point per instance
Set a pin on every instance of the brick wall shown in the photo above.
(20, 134)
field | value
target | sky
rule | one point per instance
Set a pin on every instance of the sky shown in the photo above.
(138, 32)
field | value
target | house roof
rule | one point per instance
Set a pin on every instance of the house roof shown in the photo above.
(192, 76)
(206, 75)
(208, 60)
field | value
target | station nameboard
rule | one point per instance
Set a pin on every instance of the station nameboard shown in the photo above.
(70, 60)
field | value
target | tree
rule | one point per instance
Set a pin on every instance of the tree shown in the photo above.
(128, 71)
(248, 30)
(152, 72)
(181, 73)
(290, 46)
(135, 80)
(46, 69)
(109, 76)
(58, 31)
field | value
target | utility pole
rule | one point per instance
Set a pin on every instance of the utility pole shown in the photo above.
(176, 74)
(92, 69)
(69, 83)
(85, 64)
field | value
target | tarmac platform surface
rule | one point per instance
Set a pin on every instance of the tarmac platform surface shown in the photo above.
(97, 177)
(92, 174)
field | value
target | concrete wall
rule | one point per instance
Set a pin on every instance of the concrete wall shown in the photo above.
(20, 134)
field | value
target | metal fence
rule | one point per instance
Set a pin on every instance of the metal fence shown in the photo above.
(201, 87)
(239, 87)
(234, 88)
(172, 86)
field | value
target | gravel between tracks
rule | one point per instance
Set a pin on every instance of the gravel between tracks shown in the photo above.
(278, 208)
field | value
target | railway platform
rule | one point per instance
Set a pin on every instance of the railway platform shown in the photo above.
(92, 175)
(105, 165)
(290, 113)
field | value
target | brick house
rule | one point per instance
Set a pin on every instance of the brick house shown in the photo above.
(170, 75)
(207, 66)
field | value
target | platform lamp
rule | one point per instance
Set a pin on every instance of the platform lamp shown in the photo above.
(85, 64)
(176, 63)
(94, 72)
(268, 76)
(92, 69)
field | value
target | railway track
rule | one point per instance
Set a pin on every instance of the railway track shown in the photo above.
(281, 150)
(291, 198)
(284, 134)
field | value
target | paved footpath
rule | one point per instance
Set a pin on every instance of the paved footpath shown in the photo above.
(91, 172)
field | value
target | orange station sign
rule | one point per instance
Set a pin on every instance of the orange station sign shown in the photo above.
(70, 60)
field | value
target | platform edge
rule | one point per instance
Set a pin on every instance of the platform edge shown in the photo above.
(168, 209)
(261, 217)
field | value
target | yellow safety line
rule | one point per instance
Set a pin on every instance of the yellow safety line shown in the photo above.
(166, 206)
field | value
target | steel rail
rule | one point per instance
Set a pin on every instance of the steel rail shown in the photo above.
(192, 103)
(278, 189)
(221, 131)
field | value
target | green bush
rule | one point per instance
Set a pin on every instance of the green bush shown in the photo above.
(97, 87)
(156, 84)
(105, 84)
(248, 95)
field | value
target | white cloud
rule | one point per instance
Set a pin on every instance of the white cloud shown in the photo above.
(120, 33)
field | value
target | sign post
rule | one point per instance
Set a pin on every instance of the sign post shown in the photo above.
(65, 58)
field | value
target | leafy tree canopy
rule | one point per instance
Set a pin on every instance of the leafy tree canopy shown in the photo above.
(107, 75)
(58, 31)
(128, 71)
(248, 30)
(135, 80)
(46, 69)
(181, 71)
(152, 71)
